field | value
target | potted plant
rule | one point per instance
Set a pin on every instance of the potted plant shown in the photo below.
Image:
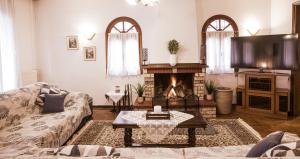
(210, 88)
(139, 90)
(173, 48)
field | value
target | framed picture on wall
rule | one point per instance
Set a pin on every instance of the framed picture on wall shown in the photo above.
(72, 42)
(89, 53)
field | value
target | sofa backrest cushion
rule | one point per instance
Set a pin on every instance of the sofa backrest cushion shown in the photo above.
(48, 89)
(284, 150)
(17, 104)
(268, 142)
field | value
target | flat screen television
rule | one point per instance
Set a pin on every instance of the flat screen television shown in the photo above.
(267, 51)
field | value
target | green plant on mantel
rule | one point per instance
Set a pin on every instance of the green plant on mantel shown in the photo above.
(210, 86)
(173, 46)
(139, 89)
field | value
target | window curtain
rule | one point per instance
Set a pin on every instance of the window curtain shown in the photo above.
(218, 51)
(123, 54)
(8, 62)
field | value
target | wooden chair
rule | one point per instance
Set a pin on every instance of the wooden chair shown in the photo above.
(176, 102)
(191, 101)
(127, 99)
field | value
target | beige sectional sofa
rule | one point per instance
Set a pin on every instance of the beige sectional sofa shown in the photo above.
(26, 133)
(140, 153)
(21, 120)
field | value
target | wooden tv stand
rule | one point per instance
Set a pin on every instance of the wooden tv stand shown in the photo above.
(260, 95)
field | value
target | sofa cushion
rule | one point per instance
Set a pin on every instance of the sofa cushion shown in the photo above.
(217, 152)
(270, 141)
(289, 138)
(85, 150)
(47, 89)
(284, 150)
(54, 103)
(151, 153)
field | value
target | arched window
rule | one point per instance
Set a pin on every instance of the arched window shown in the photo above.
(123, 47)
(216, 41)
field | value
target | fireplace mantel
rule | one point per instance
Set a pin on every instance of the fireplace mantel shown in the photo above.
(179, 68)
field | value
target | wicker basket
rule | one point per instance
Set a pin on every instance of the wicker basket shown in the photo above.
(224, 100)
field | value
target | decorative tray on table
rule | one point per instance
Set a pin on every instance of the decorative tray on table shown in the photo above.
(150, 115)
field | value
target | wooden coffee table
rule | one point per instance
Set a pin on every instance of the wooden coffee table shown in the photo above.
(197, 122)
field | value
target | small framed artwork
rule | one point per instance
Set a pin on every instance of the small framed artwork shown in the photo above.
(72, 42)
(89, 53)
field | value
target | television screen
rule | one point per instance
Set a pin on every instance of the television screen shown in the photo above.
(268, 51)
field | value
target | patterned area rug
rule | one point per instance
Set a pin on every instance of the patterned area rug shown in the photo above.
(220, 132)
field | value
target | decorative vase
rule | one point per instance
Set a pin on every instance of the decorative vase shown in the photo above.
(140, 100)
(173, 59)
(209, 97)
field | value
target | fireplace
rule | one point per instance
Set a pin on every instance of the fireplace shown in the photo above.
(173, 85)
(178, 81)
(164, 79)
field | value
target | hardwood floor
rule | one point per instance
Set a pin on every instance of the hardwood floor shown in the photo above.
(261, 124)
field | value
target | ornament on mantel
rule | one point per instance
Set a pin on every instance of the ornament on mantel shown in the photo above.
(173, 48)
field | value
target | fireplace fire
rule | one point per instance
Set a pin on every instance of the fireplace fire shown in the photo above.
(173, 85)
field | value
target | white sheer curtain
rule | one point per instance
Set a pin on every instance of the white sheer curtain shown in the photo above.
(218, 51)
(8, 61)
(123, 54)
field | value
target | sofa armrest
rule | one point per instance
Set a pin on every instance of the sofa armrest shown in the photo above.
(78, 99)
(91, 102)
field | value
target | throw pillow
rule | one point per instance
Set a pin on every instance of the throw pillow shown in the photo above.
(268, 142)
(54, 103)
(47, 89)
(284, 150)
(85, 151)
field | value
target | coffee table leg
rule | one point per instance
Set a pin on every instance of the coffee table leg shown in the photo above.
(192, 137)
(128, 137)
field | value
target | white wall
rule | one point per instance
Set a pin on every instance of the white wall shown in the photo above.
(25, 37)
(57, 19)
(281, 12)
(281, 16)
(242, 11)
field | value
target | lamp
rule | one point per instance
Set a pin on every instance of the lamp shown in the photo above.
(263, 66)
(87, 30)
(253, 27)
(90, 36)
(132, 2)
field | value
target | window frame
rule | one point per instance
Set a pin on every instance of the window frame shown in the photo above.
(135, 25)
(206, 26)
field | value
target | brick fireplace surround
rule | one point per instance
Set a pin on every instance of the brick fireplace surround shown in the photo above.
(199, 71)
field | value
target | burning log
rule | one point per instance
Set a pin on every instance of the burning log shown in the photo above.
(167, 91)
(179, 90)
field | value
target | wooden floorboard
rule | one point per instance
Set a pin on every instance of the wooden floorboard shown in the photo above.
(261, 124)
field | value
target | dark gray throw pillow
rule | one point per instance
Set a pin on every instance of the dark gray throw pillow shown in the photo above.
(54, 103)
(264, 145)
